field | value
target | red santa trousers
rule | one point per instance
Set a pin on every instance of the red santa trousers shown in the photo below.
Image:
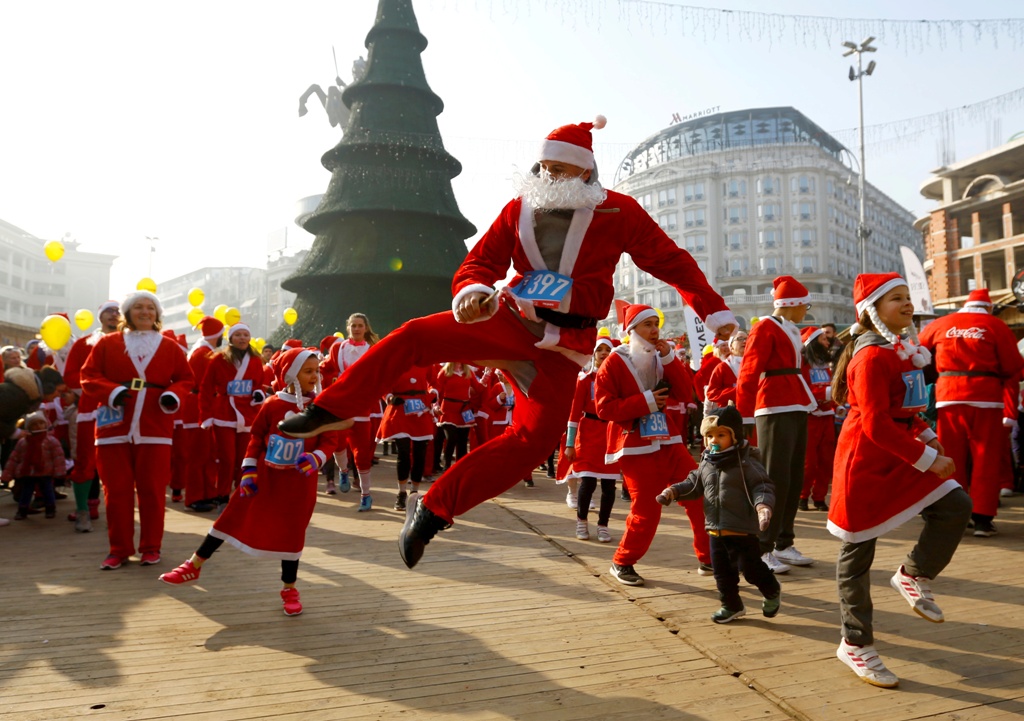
(200, 464)
(977, 434)
(179, 458)
(645, 476)
(821, 456)
(127, 469)
(362, 441)
(231, 447)
(85, 453)
(503, 461)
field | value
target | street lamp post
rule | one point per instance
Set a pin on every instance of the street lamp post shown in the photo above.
(863, 232)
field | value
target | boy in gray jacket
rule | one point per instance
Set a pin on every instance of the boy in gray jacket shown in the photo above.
(738, 501)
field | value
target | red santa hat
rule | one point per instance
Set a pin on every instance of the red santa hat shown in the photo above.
(869, 287)
(137, 295)
(978, 299)
(809, 333)
(291, 343)
(572, 144)
(210, 327)
(178, 340)
(630, 315)
(605, 340)
(108, 305)
(788, 292)
(237, 327)
(287, 366)
(327, 342)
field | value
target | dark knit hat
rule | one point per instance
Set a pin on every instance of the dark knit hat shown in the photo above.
(727, 417)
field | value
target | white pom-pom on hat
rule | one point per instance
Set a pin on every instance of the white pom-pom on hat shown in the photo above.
(599, 122)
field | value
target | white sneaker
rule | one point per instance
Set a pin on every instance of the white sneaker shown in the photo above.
(1006, 493)
(582, 532)
(5, 521)
(774, 565)
(864, 662)
(593, 505)
(570, 499)
(793, 557)
(918, 594)
(603, 535)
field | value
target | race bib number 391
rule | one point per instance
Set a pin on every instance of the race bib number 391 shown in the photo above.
(543, 288)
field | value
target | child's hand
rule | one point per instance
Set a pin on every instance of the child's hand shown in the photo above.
(308, 463)
(667, 496)
(248, 485)
(764, 516)
(943, 467)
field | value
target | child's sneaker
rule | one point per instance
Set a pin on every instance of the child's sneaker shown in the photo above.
(603, 535)
(365, 503)
(570, 499)
(185, 573)
(176, 495)
(626, 575)
(864, 662)
(343, 483)
(292, 604)
(705, 569)
(150, 558)
(400, 500)
(82, 523)
(770, 606)
(724, 615)
(918, 594)
(793, 557)
(582, 532)
(112, 563)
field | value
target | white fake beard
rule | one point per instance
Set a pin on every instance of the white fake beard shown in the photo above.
(645, 360)
(543, 192)
(142, 344)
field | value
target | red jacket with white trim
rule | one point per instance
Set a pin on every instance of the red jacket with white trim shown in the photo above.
(223, 405)
(770, 380)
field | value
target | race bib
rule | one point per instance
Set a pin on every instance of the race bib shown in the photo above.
(510, 400)
(915, 396)
(240, 388)
(543, 288)
(468, 417)
(107, 416)
(591, 390)
(654, 427)
(414, 405)
(819, 376)
(283, 451)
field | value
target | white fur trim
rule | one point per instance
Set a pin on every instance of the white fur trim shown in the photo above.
(977, 304)
(322, 456)
(135, 297)
(719, 318)
(651, 404)
(466, 290)
(927, 458)
(114, 394)
(666, 359)
(879, 292)
(250, 462)
(108, 305)
(237, 327)
(177, 402)
(927, 435)
(791, 302)
(812, 336)
(641, 317)
(559, 150)
(1009, 422)
(896, 521)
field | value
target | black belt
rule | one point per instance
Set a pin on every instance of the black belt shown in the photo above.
(970, 374)
(593, 417)
(455, 400)
(908, 422)
(137, 384)
(195, 391)
(566, 320)
(782, 372)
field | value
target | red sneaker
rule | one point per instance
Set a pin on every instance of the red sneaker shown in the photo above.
(111, 563)
(176, 497)
(185, 573)
(292, 604)
(150, 558)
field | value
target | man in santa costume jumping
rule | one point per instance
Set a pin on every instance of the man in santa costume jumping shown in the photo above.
(563, 235)
(977, 360)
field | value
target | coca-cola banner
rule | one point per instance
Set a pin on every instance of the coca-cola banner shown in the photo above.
(918, 282)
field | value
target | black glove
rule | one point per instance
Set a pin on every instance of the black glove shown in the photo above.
(168, 401)
(258, 397)
(120, 399)
(397, 401)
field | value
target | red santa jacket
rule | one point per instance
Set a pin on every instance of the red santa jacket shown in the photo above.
(110, 371)
(770, 380)
(591, 433)
(500, 402)
(230, 395)
(701, 378)
(722, 383)
(819, 379)
(881, 469)
(595, 241)
(623, 401)
(341, 357)
(407, 413)
(976, 356)
(456, 392)
(77, 357)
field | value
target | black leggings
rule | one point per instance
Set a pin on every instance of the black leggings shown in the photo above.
(412, 457)
(289, 569)
(456, 443)
(586, 492)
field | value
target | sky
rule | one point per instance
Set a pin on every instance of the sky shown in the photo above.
(126, 120)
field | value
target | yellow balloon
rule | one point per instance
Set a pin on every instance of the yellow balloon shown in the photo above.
(54, 250)
(56, 331)
(625, 340)
(661, 317)
(196, 296)
(604, 333)
(146, 284)
(219, 312)
(395, 264)
(232, 316)
(195, 315)
(290, 316)
(83, 319)
(339, 334)
(257, 344)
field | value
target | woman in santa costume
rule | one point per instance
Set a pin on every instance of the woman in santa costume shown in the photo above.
(821, 423)
(889, 468)
(230, 395)
(631, 390)
(456, 386)
(269, 515)
(585, 446)
(977, 359)
(563, 235)
(201, 481)
(721, 385)
(141, 378)
(771, 394)
(409, 423)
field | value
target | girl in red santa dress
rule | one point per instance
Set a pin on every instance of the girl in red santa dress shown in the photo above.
(631, 391)
(821, 423)
(229, 398)
(889, 468)
(721, 387)
(409, 423)
(269, 515)
(456, 385)
(585, 445)
(141, 378)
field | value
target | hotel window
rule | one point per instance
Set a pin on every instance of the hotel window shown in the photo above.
(769, 211)
(694, 218)
(770, 265)
(734, 188)
(802, 184)
(770, 238)
(804, 237)
(735, 240)
(668, 299)
(738, 266)
(768, 186)
(666, 197)
(693, 191)
(646, 202)
(734, 215)
(696, 243)
(668, 221)
(803, 211)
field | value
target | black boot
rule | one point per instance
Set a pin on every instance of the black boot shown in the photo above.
(421, 524)
(313, 421)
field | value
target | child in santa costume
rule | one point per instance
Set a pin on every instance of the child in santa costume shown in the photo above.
(977, 359)
(772, 394)
(711, 357)
(631, 391)
(456, 387)
(409, 423)
(36, 461)
(269, 515)
(585, 446)
(889, 468)
(721, 383)
(821, 423)
(141, 378)
(563, 236)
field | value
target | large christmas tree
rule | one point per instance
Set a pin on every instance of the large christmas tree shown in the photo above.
(389, 233)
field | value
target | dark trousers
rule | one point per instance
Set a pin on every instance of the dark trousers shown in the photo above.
(289, 569)
(782, 438)
(412, 457)
(588, 485)
(456, 443)
(732, 555)
(28, 488)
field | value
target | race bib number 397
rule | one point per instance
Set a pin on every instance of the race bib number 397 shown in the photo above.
(543, 288)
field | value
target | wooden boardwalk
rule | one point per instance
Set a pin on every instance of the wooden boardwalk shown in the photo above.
(507, 617)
